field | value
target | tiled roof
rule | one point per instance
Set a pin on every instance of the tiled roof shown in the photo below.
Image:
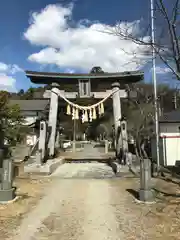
(84, 75)
(31, 105)
(65, 78)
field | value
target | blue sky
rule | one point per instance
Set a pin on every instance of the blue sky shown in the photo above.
(48, 35)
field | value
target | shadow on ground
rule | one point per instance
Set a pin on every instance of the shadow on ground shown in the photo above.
(112, 165)
(134, 193)
(99, 145)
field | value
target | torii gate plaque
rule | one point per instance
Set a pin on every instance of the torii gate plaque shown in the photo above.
(90, 86)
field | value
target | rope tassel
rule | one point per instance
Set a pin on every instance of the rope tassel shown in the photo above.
(68, 110)
(73, 109)
(90, 115)
(102, 108)
(73, 113)
(85, 116)
(94, 113)
(85, 108)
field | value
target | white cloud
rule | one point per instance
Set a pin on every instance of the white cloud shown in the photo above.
(9, 68)
(83, 46)
(3, 67)
(7, 81)
(15, 68)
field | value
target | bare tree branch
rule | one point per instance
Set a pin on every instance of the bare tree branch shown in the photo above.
(167, 45)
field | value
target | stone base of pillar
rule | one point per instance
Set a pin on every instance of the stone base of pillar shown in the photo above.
(39, 158)
(7, 195)
(146, 195)
(44, 169)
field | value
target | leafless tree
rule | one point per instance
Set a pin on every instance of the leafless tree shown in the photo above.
(167, 43)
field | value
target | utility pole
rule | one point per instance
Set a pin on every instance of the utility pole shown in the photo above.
(155, 84)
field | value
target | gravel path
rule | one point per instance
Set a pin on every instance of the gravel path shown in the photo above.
(84, 201)
(88, 209)
(74, 209)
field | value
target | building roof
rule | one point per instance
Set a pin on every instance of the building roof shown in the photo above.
(170, 117)
(49, 77)
(31, 105)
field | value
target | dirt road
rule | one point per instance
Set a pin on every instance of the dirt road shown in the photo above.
(88, 209)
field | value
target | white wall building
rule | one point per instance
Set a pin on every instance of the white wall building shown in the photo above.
(31, 110)
(169, 125)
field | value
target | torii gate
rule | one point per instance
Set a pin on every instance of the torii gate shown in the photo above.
(89, 86)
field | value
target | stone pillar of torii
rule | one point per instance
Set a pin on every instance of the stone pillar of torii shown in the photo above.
(120, 126)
